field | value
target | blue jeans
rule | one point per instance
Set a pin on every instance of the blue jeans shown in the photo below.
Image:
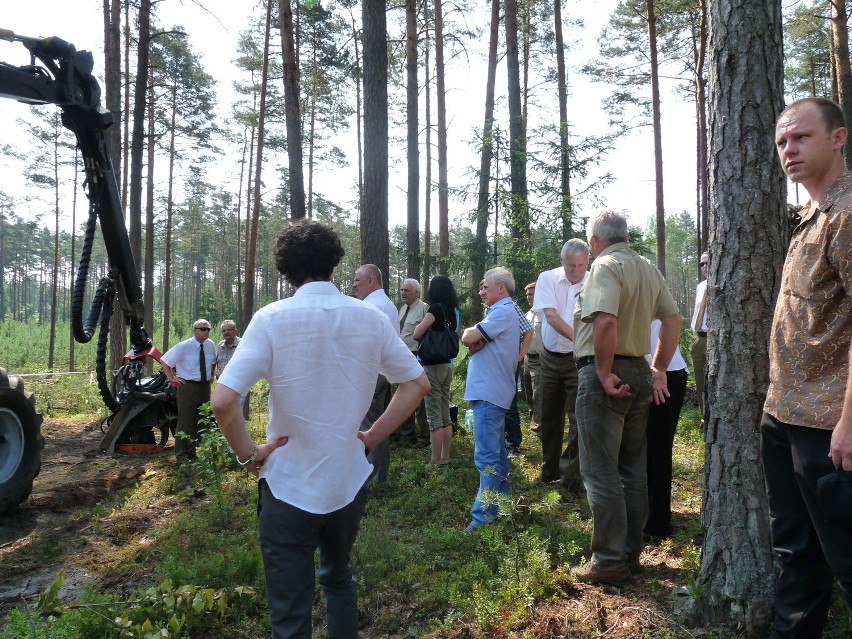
(490, 459)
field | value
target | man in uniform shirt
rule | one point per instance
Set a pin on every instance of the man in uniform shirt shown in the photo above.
(806, 430)
(225, 351)
(623, 294)
(189, 367)
(555, 293)
(411, 313)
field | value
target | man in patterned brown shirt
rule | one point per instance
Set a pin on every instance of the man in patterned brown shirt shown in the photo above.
(806, 431)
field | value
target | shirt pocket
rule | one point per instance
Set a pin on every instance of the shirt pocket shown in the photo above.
(807, 263)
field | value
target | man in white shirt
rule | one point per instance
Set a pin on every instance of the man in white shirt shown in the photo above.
(321, 352)
(189, 367)
(368, 287)
(555, 295)
(699, 325)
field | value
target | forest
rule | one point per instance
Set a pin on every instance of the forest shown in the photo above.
(316, 73)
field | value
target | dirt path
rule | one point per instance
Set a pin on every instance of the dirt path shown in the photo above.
(56, 527)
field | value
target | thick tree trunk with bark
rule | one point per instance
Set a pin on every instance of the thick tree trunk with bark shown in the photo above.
(747, 241)
(148, 283)
(137, 138)
(427, 197)
(251, 251)
(565, 213)
(374, 32)
(519, 222)
(840, 55)
(703, 224)
(443, 183)
(658, 137)
(293, 117)
(412, 237)
(480, 252)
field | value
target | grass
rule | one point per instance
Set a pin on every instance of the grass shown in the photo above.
(418, 574)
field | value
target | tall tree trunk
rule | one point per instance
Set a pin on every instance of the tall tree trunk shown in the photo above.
(658, 138)
(526, 14)
(137, 138)
(480, 253)
(71, 341)
(840, 53)
(54, 286)
(358, 116)
(747, 240)
(565, 213)
(703, 225)
(148, 290)
(519, 222)
(375, 135)
(443, 184)
(251, 254)
(112, 64)
(293, 117)
(167, 271)
(835, 81)
(125, 112)
(412, 238)
(427, 196)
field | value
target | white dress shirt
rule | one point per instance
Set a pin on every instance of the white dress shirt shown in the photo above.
(321, 352)
(677, 363)
(700, 292)
(184, 358)
(381, 301)
(553, 290)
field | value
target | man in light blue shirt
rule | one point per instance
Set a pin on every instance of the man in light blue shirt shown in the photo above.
(494, 345)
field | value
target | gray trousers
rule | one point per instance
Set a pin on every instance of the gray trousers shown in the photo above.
(699, 366)
(288, 539)
(558, 397)
(613, 460)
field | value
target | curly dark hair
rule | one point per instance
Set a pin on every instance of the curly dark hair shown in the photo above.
(442, 291)
(307, 250)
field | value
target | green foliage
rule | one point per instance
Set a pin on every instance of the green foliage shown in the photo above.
(214, 458)
(159, 612)
(807, 51)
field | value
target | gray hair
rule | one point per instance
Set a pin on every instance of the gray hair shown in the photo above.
(200, 323)
(371, 270)
(414, 283)
(229, 323)
(608, 226)
(501, 275)
(574, 246)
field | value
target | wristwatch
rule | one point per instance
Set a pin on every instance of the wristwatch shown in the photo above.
(249, 460)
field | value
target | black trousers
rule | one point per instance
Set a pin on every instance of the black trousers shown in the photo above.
(812, 551)
(660, 434)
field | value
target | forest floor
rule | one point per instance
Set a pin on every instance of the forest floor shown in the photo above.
(72, 522)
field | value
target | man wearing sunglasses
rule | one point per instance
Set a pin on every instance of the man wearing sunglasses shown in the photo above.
(189, 366)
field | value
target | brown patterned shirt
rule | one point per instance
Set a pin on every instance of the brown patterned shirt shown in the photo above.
(812, 327)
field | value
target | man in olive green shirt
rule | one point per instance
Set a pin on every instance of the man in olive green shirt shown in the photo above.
(622, 296)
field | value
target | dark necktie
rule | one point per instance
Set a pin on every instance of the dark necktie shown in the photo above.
(404, 315)
(202, 362)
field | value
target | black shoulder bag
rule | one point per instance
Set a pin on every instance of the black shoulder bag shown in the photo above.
(438, 347)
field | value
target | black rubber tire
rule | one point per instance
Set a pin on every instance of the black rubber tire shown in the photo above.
(21, 442)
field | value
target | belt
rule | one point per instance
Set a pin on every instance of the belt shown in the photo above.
(555, 354)
(702, 333)
(195, 381)
(582, 362)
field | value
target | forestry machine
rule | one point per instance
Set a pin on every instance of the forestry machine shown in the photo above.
(59, 74)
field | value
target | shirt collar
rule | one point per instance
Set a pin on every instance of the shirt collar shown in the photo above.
(317, 288)
(837, 188)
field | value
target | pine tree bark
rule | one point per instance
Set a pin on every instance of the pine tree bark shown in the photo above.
(251, 251)
(747, 241)
(480, 254)
(519, 221)
(443, 182)
(293, 116)
(703, 224)
(427, 196)
(565, 213)
(840, 55)
(412, 237)
(658, 137)
(375, 135)
(148, 286)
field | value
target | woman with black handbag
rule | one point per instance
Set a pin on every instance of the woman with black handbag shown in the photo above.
(439, 344)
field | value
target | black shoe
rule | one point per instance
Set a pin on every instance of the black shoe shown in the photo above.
(421, 443)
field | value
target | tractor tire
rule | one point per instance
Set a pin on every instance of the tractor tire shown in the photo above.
(21, 442)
